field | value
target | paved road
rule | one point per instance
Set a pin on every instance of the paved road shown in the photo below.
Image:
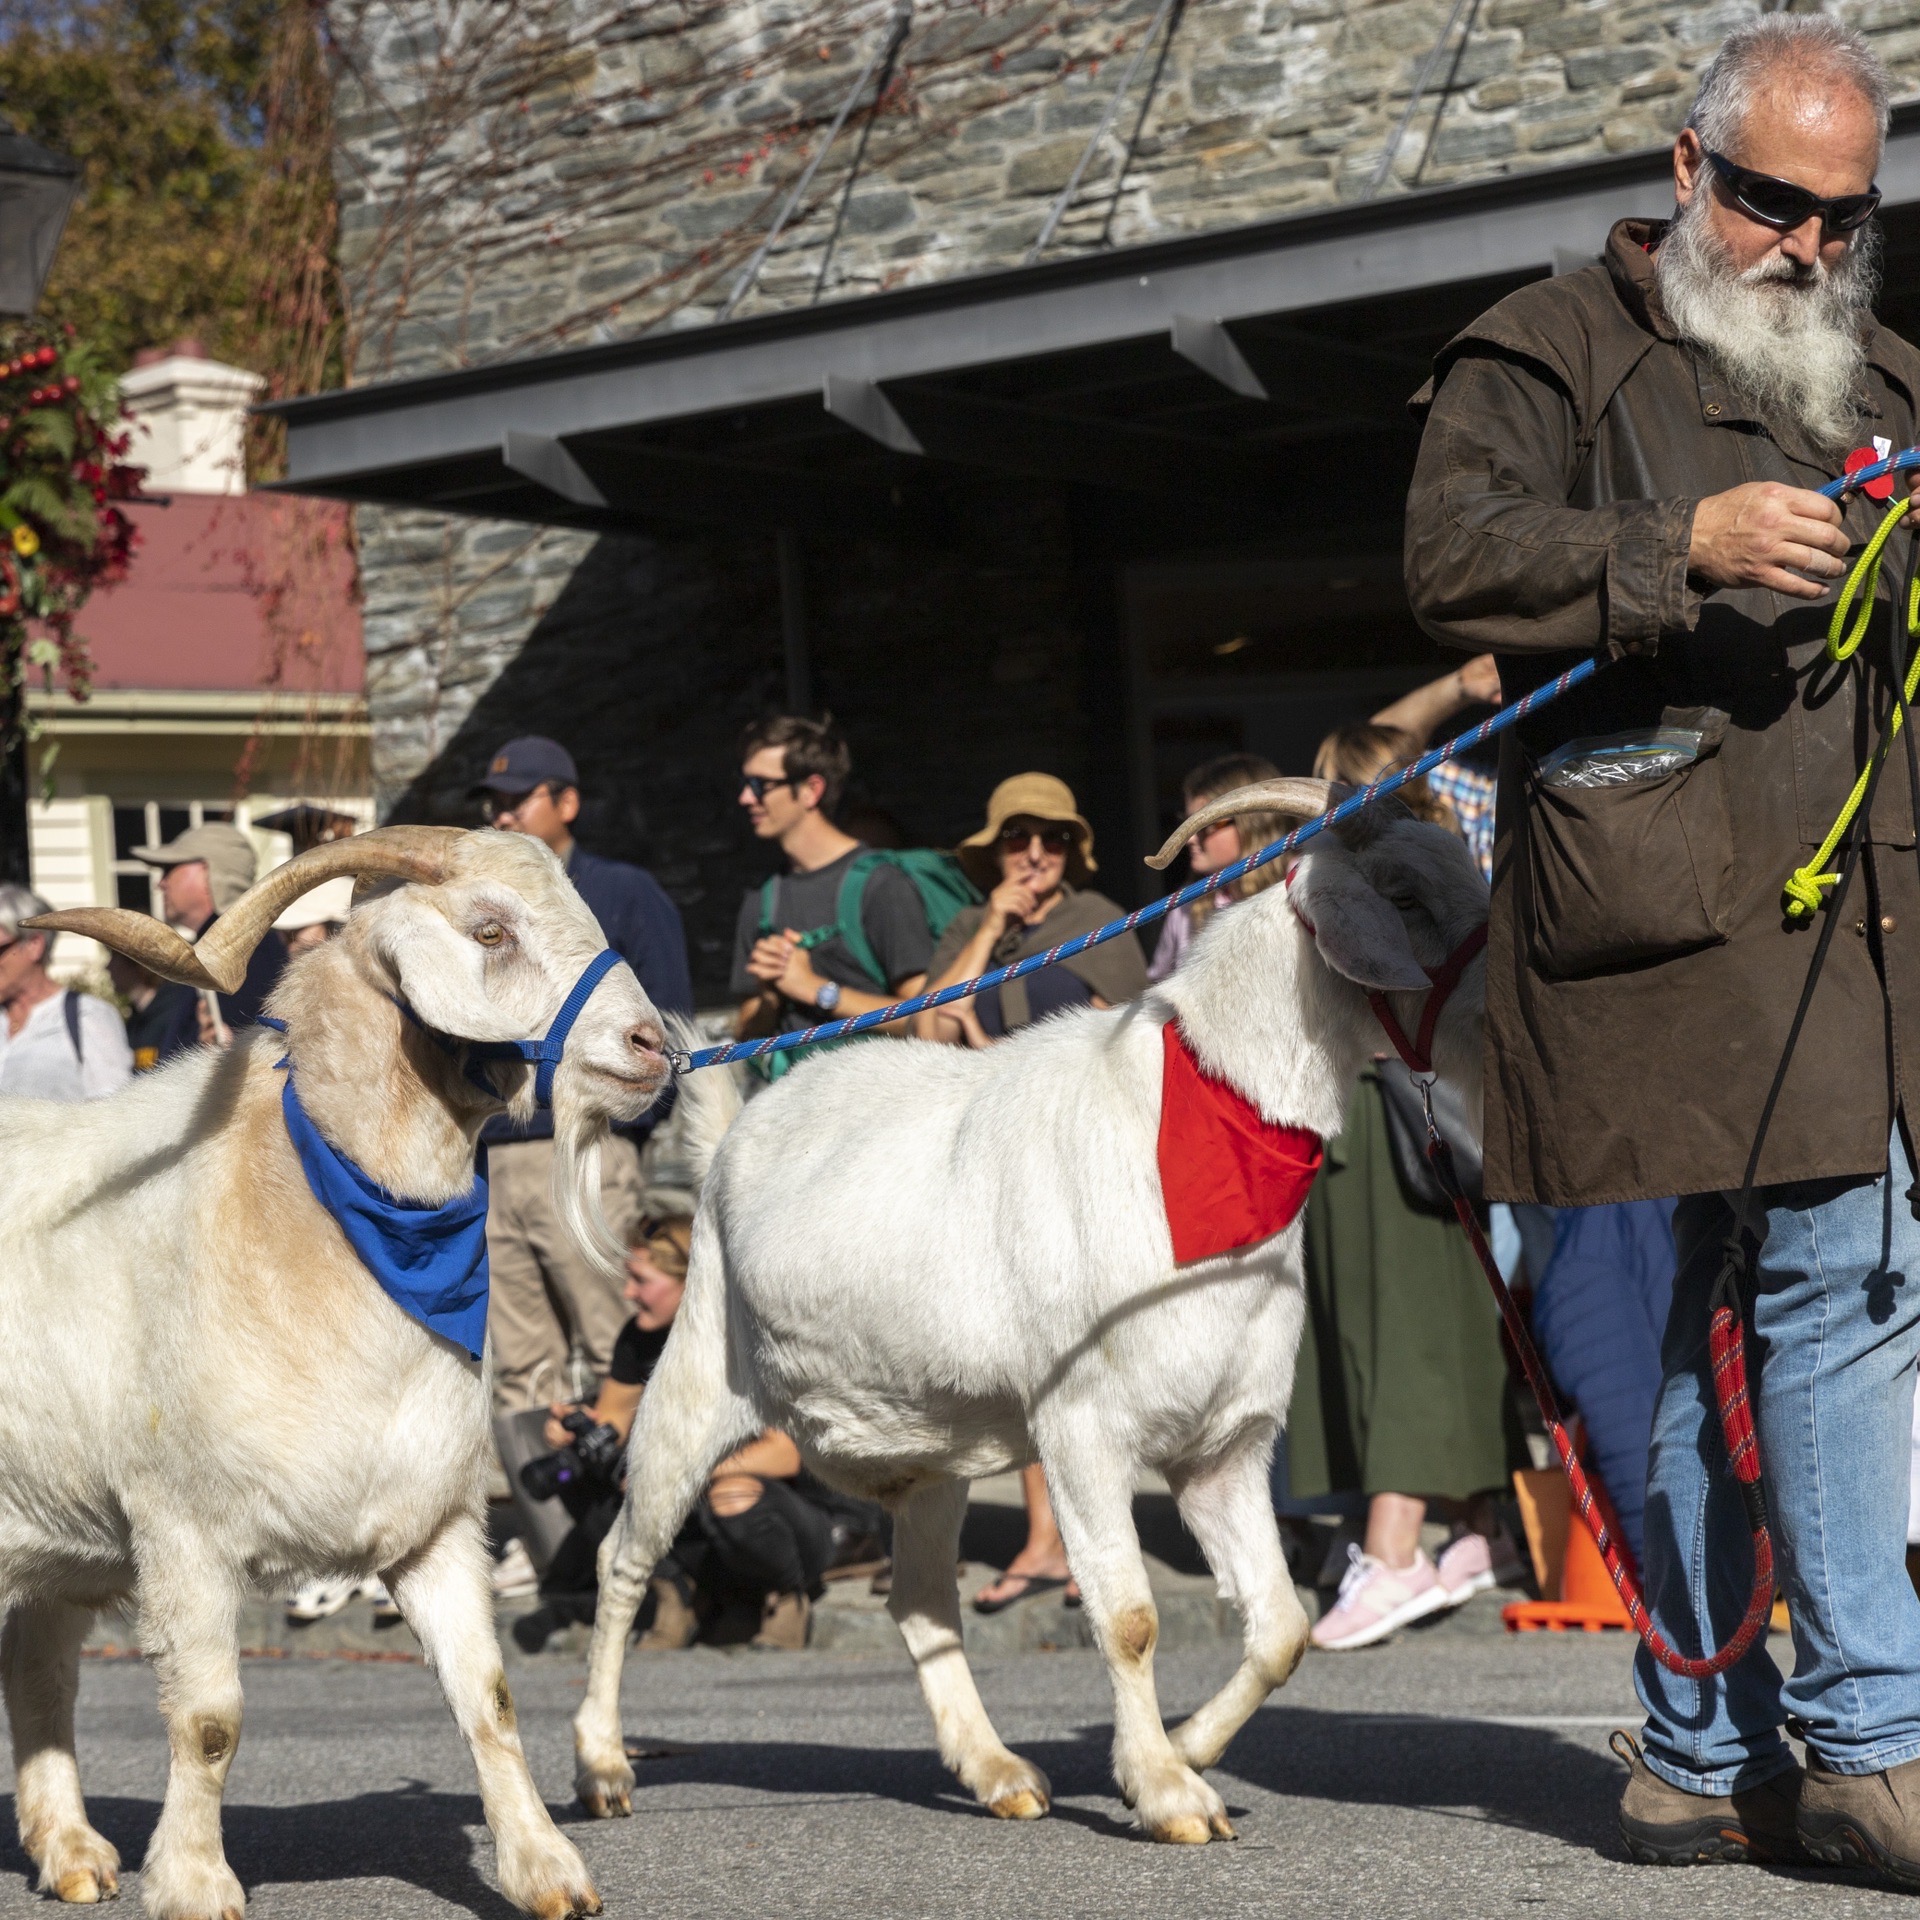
(1454, 1772)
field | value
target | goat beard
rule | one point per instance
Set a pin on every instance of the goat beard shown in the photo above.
(1787, 339)
(578, 1130)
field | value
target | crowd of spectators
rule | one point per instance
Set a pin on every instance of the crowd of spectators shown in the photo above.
(1402, 1411)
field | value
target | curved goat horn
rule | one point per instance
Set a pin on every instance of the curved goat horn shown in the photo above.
(220, 959)
(1303, 797)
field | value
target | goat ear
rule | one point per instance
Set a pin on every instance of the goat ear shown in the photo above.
(1359, 934)
(438, 973)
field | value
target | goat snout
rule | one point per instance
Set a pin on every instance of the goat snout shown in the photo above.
(648, 1042)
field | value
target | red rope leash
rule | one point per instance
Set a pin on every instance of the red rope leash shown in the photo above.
(1727, 1349)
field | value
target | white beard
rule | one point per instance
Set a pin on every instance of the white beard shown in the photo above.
(1787, 341)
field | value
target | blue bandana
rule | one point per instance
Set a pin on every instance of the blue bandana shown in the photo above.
(431, 1260)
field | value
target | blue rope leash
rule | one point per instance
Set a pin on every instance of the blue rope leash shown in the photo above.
(1159, 909)
(1903, 461)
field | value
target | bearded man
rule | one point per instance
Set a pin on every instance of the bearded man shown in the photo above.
(1622, 461)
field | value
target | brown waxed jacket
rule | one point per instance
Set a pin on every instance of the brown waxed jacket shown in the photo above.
(1641, 974)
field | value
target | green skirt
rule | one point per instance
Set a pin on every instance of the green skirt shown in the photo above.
(1401, 1385)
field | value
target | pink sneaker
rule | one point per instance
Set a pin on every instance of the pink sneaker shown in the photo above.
(1465, 1568)
(1470, 1563)
(1376, 1599)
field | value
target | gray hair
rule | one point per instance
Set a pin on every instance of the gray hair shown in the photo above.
(17, 904)
(1810, 42)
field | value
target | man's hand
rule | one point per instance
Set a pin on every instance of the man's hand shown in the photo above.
(781, 961)
(1751, 536)
(770, 957)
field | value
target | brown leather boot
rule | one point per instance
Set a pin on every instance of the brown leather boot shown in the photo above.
(784, 1620)
(675, 1624)
(1865, 1820)
(1666, 1826)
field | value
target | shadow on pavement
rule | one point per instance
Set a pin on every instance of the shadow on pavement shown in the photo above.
(1527, 1778)
(409, 1834)
(1530, 1778)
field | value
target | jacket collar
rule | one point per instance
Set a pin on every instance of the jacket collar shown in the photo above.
(1629, 258)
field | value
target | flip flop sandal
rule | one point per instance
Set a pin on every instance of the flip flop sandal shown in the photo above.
(1031, 1583)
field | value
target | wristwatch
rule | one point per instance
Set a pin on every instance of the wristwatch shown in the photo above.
(827, 996)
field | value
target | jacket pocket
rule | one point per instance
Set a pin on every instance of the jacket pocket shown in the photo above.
(1638, 871)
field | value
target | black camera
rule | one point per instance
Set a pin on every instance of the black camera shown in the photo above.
(592, 1460)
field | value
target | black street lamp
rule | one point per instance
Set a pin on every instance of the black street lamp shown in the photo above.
(37, 191)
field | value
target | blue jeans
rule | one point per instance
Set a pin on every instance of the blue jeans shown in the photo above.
(1834, 1323)
(1599, 1303)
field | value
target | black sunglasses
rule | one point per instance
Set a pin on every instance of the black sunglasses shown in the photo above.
(493, 805)
(1055, 839)
(760, 786)
(1779, 203)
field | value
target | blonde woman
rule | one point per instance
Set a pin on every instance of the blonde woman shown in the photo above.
(1219, 846)
(1400, 1392)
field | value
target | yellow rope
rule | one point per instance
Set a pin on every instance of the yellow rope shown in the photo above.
(1803, 889)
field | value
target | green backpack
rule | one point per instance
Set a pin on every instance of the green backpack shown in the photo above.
(944, 891)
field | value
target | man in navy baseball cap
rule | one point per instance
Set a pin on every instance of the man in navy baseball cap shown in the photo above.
(523, 765)
(546, 1299)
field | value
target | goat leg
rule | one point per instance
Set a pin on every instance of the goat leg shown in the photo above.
(1227, 1505)
(925, 1604)
(40, 1673)
(189, 1626)
(1090, 1477)
(442, 1591)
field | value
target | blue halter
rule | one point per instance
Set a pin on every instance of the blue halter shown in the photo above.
(542, 1055)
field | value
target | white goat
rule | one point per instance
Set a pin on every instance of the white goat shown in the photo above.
(203, 1391)
(928, 1264)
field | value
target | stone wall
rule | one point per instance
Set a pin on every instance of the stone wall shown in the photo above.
(540, 175)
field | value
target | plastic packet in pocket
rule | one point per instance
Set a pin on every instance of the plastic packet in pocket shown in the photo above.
(1622, 759)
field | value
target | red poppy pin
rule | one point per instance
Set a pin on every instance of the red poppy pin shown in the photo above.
(1881, 489)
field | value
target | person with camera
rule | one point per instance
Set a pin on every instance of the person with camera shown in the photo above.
(764, 1532)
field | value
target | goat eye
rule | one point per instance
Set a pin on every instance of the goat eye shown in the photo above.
(490, 934)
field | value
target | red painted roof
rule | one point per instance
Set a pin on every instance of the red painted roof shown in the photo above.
(232, 594)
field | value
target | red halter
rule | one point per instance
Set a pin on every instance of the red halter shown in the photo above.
(1418, 1052)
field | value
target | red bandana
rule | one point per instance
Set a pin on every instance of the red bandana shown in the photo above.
(1229, 1178)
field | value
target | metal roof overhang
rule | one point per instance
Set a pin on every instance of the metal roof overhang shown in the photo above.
(1215, 366)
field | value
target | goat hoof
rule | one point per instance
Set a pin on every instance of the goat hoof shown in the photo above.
(176, 1886)
(606, 1791)
(1010, 1788)
(1178, 1808)
(1185, 1830)
(1023, 1804)
(78, 1867)
(565, 1902)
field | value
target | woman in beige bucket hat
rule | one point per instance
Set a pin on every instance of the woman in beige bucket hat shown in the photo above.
(1031, 859)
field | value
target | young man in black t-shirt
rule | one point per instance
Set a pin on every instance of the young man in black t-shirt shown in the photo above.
(791, 777)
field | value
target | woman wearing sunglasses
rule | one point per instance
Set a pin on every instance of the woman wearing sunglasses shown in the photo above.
(1031, 859)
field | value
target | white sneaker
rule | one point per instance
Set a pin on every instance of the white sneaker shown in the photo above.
(320, 1599)
(514, 1577)
(1376, 1599)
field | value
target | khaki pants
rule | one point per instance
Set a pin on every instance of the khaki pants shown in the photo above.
(546, 1296)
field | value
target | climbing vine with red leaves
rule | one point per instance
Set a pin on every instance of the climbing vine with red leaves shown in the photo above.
(63, 473)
